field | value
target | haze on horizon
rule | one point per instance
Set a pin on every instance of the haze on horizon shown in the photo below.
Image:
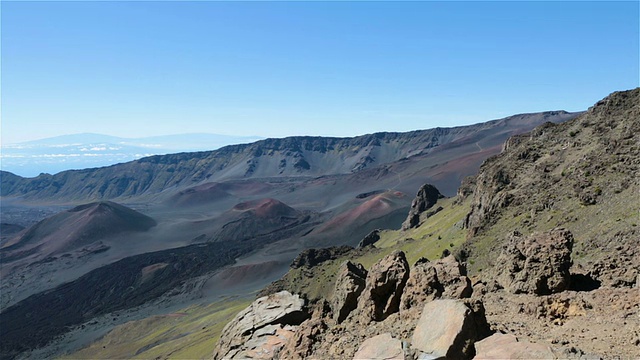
(275, 69)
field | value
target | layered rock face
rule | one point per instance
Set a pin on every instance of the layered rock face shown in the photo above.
(261, 330)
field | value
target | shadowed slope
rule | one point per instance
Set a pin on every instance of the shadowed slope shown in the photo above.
(124, 284)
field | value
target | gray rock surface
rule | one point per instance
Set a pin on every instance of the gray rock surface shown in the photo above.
(370, 239)
(449, 328)
(312, 257)
(348, 287)
(382, 347)
(256, 329)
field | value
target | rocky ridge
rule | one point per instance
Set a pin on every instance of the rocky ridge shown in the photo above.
(295, 157)
(556, 289)
(437, 318)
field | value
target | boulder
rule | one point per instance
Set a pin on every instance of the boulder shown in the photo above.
(422, 286)
(536, 264)
(348, 287)
(449, 328)
(266, 342)
(263, 327)
(384, 285)
(370, 239)
(443, 278)
(382, 347)
(427, 196)
(300, 345)
(453, 278)
(503, 346)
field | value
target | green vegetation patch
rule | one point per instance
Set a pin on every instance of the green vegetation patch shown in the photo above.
(191, 333)
(437, 233)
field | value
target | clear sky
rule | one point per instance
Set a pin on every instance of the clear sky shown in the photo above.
(276, 69)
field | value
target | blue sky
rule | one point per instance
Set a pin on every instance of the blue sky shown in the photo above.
(276, 69)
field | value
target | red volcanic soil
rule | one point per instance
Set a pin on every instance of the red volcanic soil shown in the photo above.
(75, 228)
(250, 219)
(372, 208)
(267, 208)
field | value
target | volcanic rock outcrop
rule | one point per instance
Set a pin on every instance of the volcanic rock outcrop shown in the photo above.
(444, 278)
(349, 286)
(385, 282)
(536, 264)
(312, 257)
(262, 329)
(310, 332)
(370, 239)
(427, 196)
(448, 329)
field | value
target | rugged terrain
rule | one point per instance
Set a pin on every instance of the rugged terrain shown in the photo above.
(540, 249)
(281, 158)
(230, 221)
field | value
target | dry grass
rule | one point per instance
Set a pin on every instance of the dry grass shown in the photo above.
(188, 334)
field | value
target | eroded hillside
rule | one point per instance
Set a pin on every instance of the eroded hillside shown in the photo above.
(545, 241)
(541, 244)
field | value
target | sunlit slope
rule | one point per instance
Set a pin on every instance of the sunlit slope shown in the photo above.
(581, 175)
(439, 233)
(190, 333)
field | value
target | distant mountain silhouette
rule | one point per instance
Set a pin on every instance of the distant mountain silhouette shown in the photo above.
(79, 151)
(287, 157)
